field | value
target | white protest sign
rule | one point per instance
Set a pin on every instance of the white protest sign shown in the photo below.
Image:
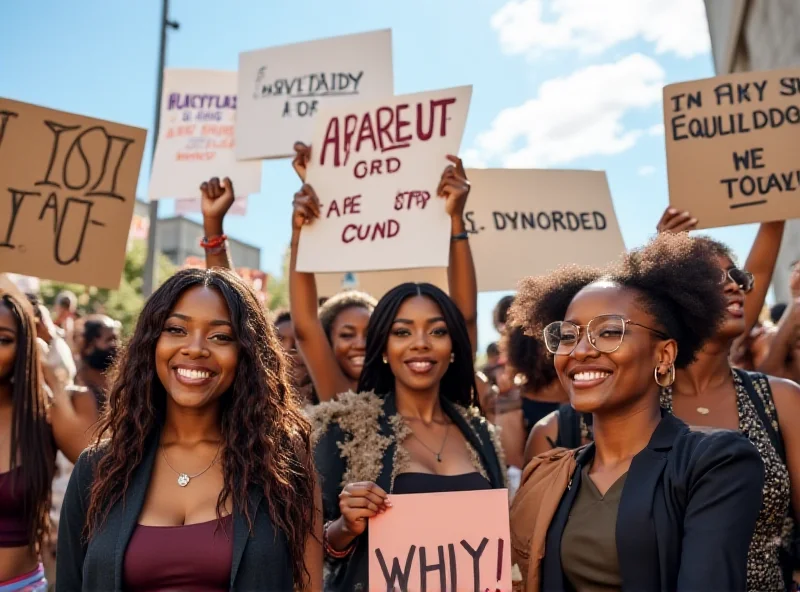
(282, 89)
(376, 168)
(542, 218)
(196, 136)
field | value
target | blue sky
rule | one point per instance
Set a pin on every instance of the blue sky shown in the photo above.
(563, 83)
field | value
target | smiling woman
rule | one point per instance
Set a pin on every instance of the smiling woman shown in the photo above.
(202, 434)
(617, 336)
(414, 426)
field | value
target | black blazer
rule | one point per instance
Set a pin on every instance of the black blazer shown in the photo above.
(260, 562)
(351, 574)
(686, 517)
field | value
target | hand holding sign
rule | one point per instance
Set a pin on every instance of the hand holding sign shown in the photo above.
(360, 501)
(306, 208)
(302, 154)
(673, 220)
(454, 187)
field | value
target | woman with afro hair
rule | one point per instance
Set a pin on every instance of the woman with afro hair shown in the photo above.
(650, 504)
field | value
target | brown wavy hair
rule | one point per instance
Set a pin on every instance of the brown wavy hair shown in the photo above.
(31, 436)
(266, 438)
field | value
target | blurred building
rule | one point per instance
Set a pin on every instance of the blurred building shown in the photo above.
(759, 35)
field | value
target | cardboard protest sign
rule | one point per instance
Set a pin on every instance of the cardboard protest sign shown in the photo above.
(541, 218)
(194, 206)
(196, 138)
(67, 192)
(377, 283)
(438, 541)
(376, 168)
(282, 89)
(733, 154)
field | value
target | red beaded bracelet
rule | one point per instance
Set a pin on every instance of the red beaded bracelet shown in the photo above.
(213, 242)
(329, 550)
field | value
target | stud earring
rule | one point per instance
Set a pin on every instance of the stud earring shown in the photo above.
(452, 358)
(385, 360)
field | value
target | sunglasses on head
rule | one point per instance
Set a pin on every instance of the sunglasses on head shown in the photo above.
(740, 277)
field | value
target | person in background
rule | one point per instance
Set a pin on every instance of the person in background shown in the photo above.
(37, 419)
(335, 365)
(776, 312)
(282, 320)
(99, 344)
(408, 429)
(500, 314)
(492, 356)
(65, 311)
(201, 476)
(783, 356)
(710, 393)
(650, 505)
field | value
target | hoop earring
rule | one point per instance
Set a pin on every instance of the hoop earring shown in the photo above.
(670, 376)
(452, 358)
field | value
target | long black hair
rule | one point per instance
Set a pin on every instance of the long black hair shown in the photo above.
(458, 383)
(31, 436)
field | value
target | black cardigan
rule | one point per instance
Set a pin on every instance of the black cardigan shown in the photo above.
(686, 517)
(351, 574)
(260, 562)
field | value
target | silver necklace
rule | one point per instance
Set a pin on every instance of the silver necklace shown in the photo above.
(183, 478)
(438, 455)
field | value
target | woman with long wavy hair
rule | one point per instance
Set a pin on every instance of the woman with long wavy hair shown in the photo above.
(413, 427)
(35, 422)
(202, 474)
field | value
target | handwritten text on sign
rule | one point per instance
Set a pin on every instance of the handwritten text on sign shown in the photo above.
(67, 192)
(547, 218)
(282, 89)
(436, 542)
(732, 147)
(376, 169)
(196, 138)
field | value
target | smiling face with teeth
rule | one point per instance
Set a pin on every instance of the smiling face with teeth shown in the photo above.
(600, 382)
(419, 346)
(349, 339)
(197, 353)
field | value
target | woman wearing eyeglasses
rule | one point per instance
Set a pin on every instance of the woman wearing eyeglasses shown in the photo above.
(710, 392)
(650, 505)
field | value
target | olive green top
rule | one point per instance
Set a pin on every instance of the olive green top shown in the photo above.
(589, 543)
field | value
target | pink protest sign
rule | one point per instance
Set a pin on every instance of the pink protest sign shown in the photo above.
(441, 542)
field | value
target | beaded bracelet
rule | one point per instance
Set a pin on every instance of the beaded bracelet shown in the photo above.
(214, 242)
(329, 550)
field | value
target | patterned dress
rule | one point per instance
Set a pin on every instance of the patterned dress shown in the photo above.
(774, 524)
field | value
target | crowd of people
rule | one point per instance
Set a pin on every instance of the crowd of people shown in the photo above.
(645, 418)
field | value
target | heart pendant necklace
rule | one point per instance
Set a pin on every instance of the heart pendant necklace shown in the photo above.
(183, 478)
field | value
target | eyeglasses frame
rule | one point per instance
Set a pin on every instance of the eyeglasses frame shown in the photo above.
(726, 277)
(625, 323)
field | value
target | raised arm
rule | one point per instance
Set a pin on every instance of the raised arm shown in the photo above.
(328, 377)
(761, 263)
(216, 199)
(454, 187)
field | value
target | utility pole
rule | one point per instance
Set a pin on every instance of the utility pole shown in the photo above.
(150, 262)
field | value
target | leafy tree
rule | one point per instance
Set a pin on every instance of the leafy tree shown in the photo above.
(123, 304)
(278, 288)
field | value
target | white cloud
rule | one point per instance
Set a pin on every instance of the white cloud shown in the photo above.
(656, 130)
(533, 27)
(646, 170)
(572, 117)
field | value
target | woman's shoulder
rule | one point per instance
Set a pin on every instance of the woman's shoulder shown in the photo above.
(349, 411)
(701, 449)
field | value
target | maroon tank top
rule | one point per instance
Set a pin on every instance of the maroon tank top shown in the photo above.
(193, 558)
(13, 528)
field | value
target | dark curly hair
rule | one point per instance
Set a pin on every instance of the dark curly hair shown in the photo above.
(527, 355)
(458, 383)
(31, 436)
(281, 316)
(266, 438)
(500, 312)
(341, 302)
(675, 275)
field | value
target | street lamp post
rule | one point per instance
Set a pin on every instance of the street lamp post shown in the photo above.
(150, 262)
